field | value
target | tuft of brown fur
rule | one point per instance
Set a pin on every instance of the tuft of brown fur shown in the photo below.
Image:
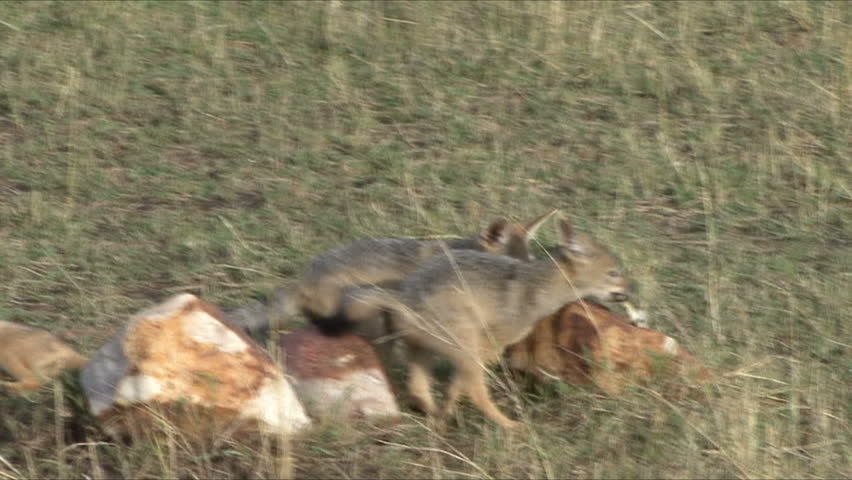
(586, 343)
(33, 356)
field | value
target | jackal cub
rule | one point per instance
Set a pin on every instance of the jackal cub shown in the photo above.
(376, 261)
(467, 306)
(33, 356)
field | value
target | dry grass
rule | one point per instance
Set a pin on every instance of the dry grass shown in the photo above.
(148, 148)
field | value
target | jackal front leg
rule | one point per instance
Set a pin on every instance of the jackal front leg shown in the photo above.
(477, 389)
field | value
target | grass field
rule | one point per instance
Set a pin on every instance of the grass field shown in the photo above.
(149, 148)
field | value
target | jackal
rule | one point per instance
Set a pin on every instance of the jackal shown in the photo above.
(375, 261)
(467, 306)
(33, 356)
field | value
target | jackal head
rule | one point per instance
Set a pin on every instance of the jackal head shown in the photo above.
(596, 271)
(512, 239)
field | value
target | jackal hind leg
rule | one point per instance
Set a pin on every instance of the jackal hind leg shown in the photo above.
(454, 392)
(419, 379)
(462, 362)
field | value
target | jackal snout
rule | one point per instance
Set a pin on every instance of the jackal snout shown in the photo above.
(621, 289)
(619, 297)
(598, 272)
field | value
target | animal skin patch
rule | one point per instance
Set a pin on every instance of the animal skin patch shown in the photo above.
(138, 388)
(200, 326)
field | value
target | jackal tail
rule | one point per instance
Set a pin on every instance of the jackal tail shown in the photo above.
(282, 305)
(359, 304)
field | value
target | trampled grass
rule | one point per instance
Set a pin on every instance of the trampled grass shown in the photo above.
(148, 148)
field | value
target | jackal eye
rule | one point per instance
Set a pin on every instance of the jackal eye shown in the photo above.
(613, 273)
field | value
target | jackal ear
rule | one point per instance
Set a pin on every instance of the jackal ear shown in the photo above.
(570, 241)
(566, 230)
(531, 227)
(496, 234)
